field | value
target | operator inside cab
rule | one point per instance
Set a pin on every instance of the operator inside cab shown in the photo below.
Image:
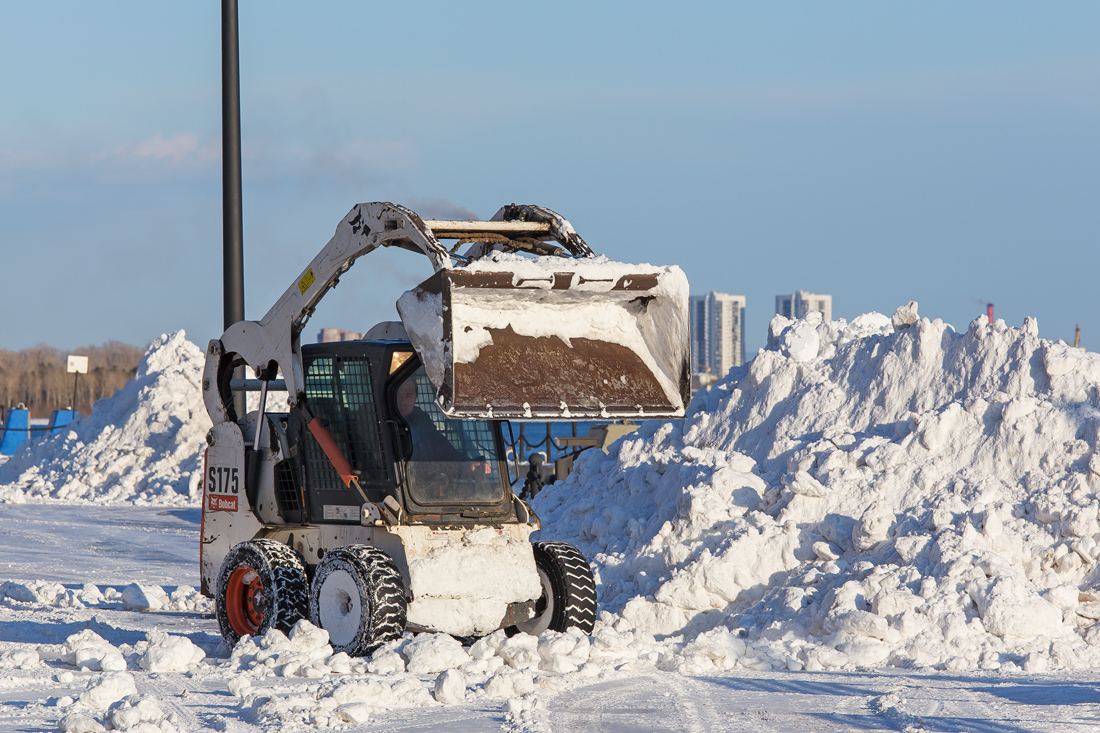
(449, 461)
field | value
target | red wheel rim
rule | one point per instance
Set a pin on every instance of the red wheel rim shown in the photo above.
(245, 603)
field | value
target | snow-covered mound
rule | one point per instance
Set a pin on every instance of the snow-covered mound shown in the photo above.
(141, 445)
(885, 491)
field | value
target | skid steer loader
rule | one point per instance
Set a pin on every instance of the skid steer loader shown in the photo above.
(377, 498)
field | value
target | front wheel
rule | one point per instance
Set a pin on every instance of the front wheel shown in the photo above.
(261, 585)
(358, 597)
(568, 590)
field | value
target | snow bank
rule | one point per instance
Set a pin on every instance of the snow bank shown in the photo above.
(143, 445)
(885, 491)
(134, 597)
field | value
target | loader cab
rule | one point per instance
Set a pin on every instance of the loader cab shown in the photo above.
(377, 403)
(445, 463)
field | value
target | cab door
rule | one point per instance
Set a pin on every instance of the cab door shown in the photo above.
(340, 392)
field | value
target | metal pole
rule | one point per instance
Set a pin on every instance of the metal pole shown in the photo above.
(232, 220)
(252, 480)
(260, 422)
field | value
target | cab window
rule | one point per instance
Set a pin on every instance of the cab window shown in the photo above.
(448, 461)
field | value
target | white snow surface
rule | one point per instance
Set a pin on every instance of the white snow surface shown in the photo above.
(143, 445)
(861, 494)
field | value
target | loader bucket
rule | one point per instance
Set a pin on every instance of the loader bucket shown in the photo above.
(553, 338)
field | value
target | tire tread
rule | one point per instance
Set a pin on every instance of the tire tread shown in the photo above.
(382, 595)
(573, 582)
(283, 571)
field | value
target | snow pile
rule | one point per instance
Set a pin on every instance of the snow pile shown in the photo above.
(885, 491)
(142, 445)
(114, 701)
(42, 592)
(137, 712)
(304, 652)
(423, 670)
(337, 702)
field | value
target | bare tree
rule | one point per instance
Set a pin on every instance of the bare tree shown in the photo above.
(36, 376)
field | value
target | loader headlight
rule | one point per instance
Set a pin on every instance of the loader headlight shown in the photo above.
(399, 358)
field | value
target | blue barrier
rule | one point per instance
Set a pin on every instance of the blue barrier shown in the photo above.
(59, 419)
(16, 430)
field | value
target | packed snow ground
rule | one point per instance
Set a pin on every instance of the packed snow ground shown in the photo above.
(882, 494)
(50, 648)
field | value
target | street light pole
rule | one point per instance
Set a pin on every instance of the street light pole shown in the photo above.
(232, 218)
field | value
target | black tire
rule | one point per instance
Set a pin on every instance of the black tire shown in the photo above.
(358, 596)
(261, 585)
(569, 590)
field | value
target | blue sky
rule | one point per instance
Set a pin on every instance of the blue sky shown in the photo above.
(939, 152)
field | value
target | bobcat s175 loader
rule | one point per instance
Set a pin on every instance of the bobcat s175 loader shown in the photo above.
(376, 498)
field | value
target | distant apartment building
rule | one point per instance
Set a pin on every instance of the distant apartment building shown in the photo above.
(801, 303)
(717, 336)
(328, 335)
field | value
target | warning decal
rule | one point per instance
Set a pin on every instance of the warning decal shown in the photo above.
(306, 281)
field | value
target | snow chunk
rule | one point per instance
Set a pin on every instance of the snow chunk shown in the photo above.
(434, 653)
(131, 713)
(110, 688)
(354, 712)
(79, 723)
(170, 653)
(905, 315)
(144, 598)
(801, 341)
(88, 650)
(20, 659)
(450, 687)
(563, 652)
(521, 651)
(308, 638)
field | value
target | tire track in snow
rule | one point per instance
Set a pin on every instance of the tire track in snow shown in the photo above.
(646, 704)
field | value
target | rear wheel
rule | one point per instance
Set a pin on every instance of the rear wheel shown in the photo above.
(358, 597)
(261, 585)
(568, 590)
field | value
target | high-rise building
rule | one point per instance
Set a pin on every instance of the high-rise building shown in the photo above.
(717, 335)
(328, 335)
(801, 303)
